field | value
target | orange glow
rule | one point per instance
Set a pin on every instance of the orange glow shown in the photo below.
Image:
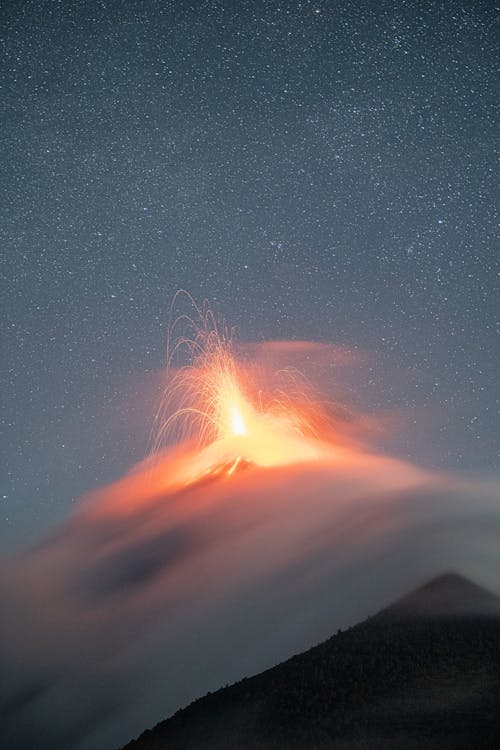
(223, 418)
(217, 401)
(238, 426)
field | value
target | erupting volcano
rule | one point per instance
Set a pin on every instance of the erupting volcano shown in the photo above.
(226, 408)
(257, 526)
(225, 411)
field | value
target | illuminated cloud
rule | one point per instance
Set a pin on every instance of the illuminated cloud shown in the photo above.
(219, 557)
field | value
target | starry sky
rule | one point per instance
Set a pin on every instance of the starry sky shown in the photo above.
(315, 170)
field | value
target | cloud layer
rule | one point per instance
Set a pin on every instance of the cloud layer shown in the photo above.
(149, 597)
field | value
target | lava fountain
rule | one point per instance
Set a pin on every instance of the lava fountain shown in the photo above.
(217, 404)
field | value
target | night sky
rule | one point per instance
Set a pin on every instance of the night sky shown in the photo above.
(315, 170)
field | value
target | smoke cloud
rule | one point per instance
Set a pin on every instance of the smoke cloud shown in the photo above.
(152, 594)
(131, 610)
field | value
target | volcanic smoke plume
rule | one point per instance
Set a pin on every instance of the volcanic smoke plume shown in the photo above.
(264, 528)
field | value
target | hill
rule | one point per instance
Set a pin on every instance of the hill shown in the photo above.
(423, 673)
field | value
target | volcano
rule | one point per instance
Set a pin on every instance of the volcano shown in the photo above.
(258, 524)
(422, 673)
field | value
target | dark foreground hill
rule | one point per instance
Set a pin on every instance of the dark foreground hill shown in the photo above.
(424, 673)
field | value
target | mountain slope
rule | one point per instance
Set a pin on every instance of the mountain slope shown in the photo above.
(423, 673)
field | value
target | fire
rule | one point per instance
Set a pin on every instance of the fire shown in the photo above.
(216, 402)
(238, 426)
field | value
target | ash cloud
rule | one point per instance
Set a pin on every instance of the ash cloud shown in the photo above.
(145, 600)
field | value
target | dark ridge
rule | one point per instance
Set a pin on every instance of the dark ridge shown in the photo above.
(446, 595)
(424, 674)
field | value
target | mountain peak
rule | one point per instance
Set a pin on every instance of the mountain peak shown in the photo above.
(448, 594)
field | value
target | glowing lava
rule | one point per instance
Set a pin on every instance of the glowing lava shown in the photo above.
(238, 426)
(217, 403)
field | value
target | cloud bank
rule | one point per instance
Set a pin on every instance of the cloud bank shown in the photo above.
(150, 596)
